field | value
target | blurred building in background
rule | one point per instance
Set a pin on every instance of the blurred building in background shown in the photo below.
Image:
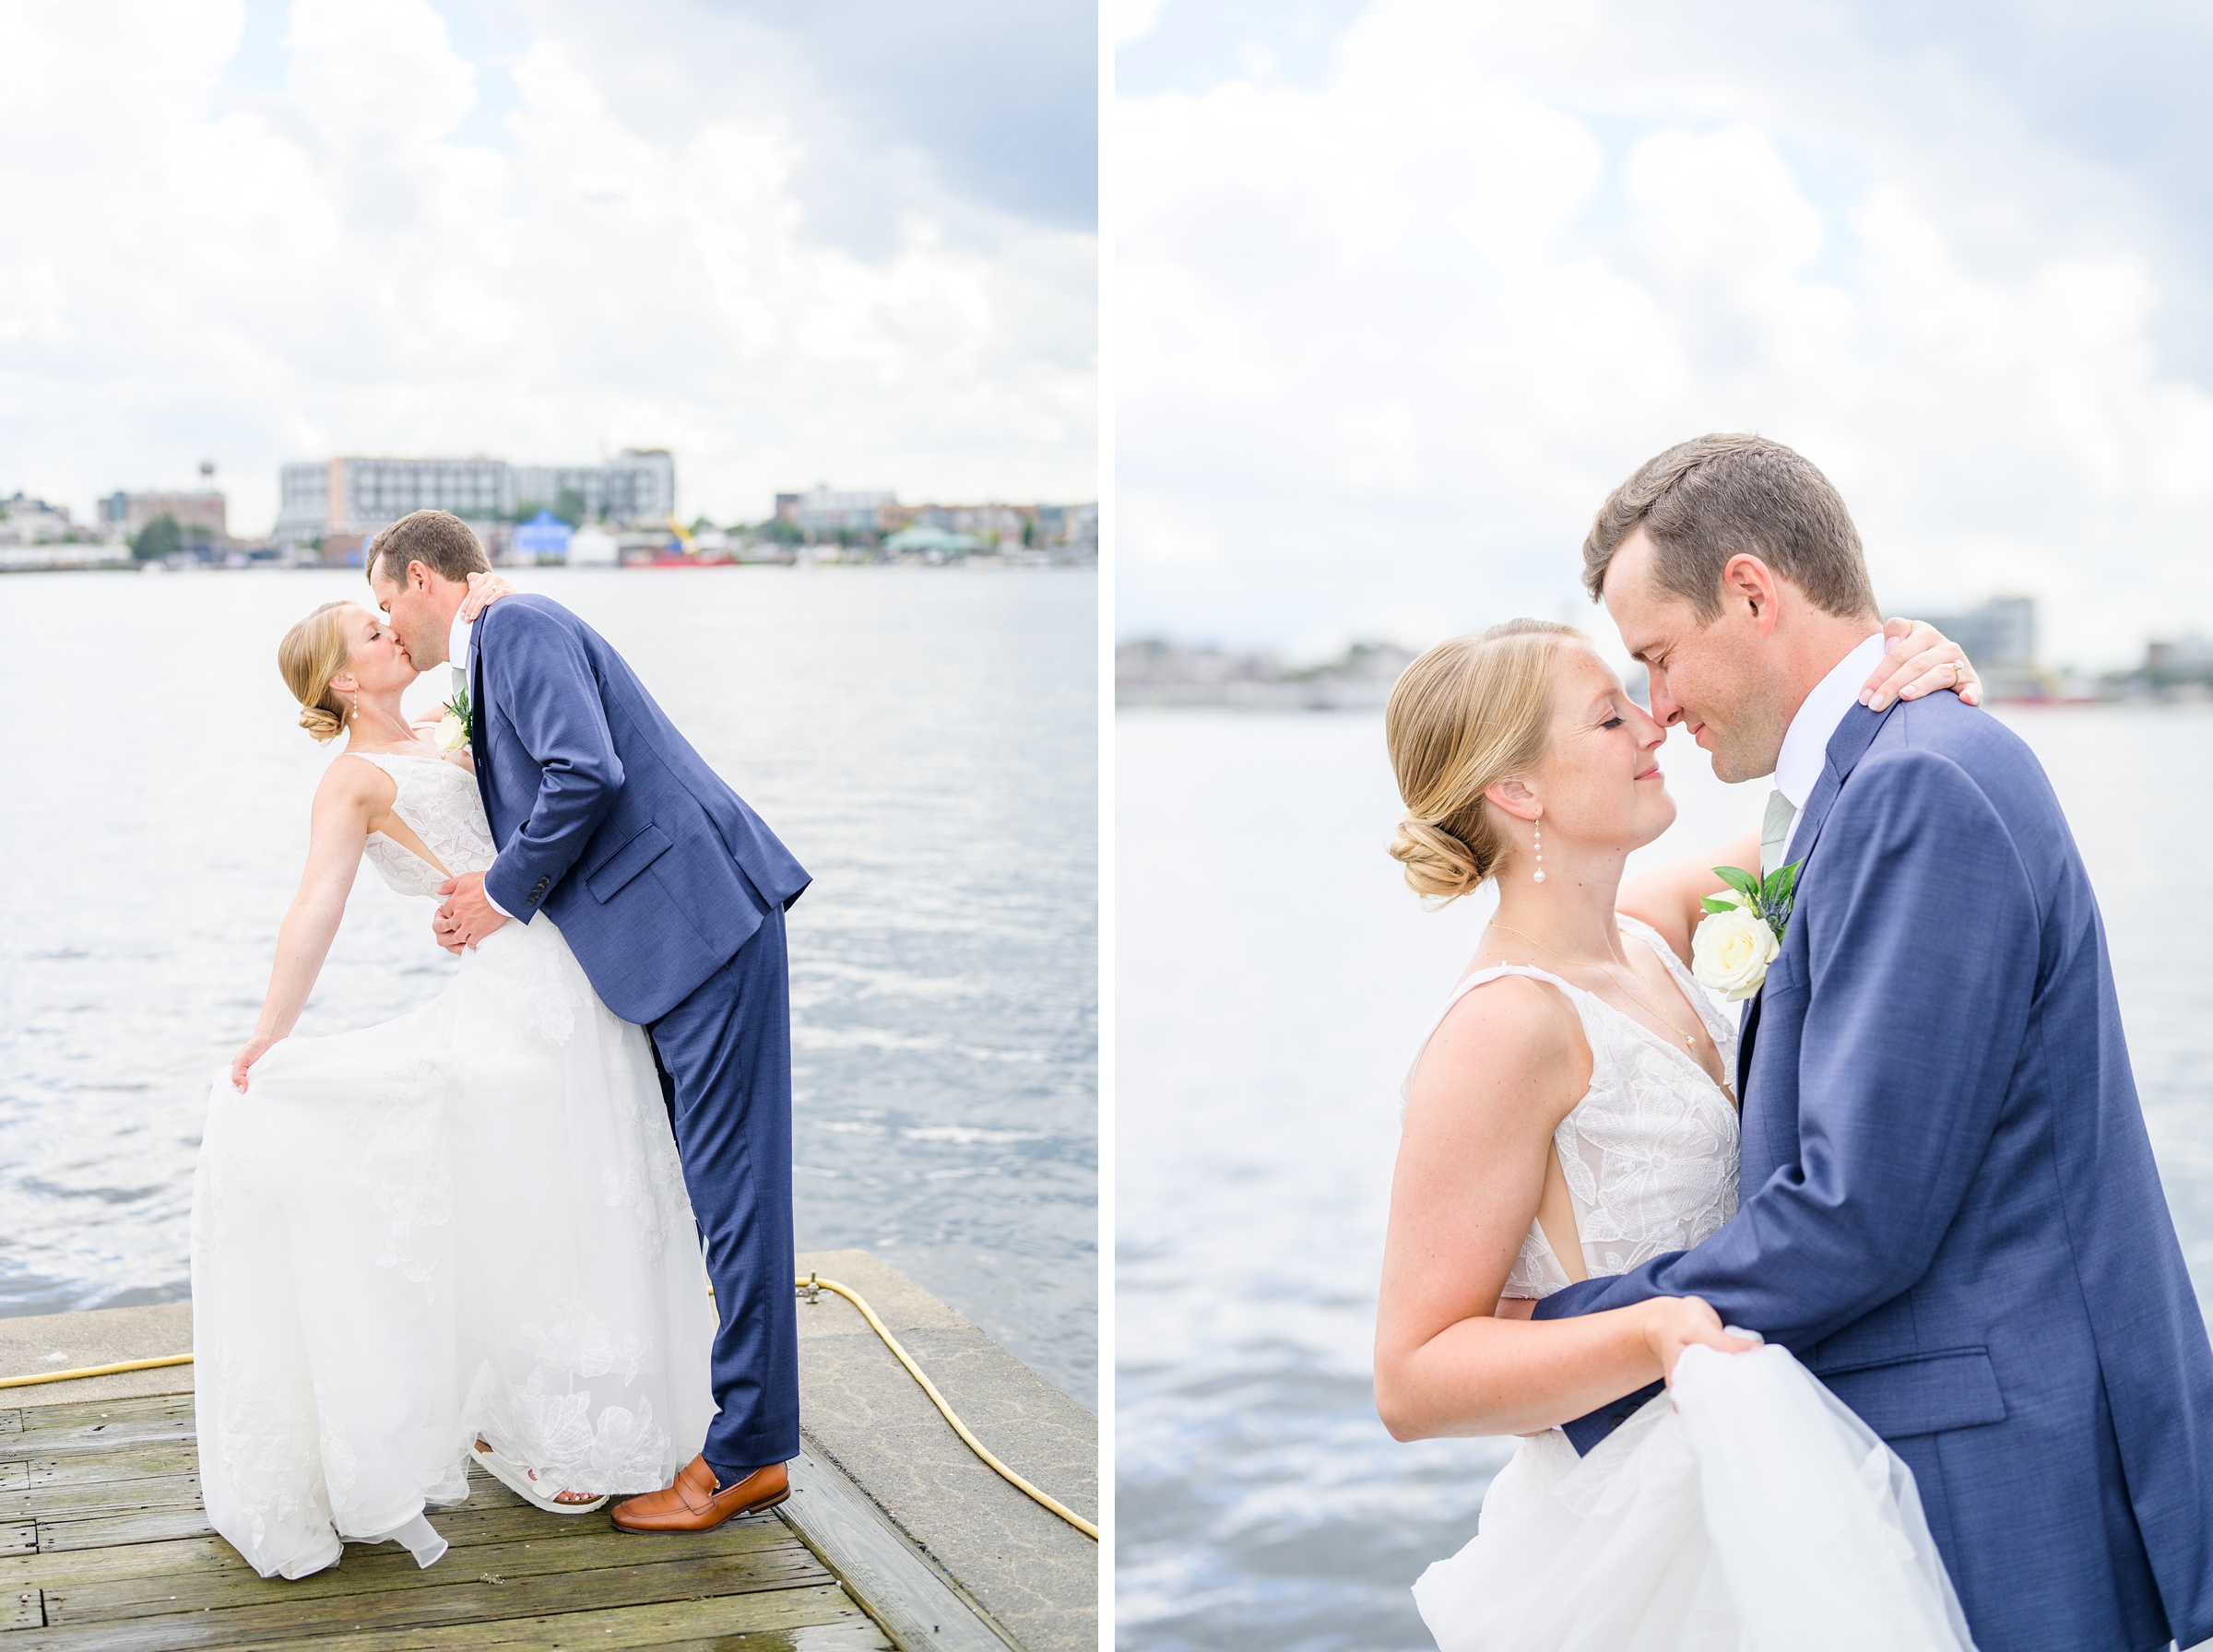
(2000, 638)
(27, 521)
(357, 494)
(203, 512)
(875, 519)
(1153, 672)
(35, 534)
(638, 485)
(2185, 661)
(825, 511)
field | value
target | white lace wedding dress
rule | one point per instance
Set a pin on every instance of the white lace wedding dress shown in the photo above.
(468, 1220)
(1744, 1510)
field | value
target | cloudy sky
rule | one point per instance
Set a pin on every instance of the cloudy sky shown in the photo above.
(1405, 287)
(852, 240)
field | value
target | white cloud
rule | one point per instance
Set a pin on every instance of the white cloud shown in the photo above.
(194, 272)
(1388, 338)
(1129, 21)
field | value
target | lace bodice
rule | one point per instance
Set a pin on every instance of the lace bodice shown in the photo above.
(439, 804)
(1649, 1152)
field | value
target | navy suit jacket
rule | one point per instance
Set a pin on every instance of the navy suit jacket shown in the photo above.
(606, 819)
(1950, 1211)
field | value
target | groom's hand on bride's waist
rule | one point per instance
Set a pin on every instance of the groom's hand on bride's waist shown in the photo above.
(467, 916)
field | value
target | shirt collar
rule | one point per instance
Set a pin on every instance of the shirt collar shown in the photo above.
(1805, 745)
(457, 643)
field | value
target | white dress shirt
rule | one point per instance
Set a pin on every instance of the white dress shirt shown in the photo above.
(456, 649)
(458, 642)
(1805, 744)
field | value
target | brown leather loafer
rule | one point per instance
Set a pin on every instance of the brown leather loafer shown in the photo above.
(692, 1503)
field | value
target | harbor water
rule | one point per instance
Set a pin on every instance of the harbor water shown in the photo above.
(924, 739)
(1275, 978)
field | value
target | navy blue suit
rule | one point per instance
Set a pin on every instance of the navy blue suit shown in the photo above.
(671, 892)
(1950, 1211)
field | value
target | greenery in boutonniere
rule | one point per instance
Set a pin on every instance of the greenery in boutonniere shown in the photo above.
(1743, 930)
(457, 728)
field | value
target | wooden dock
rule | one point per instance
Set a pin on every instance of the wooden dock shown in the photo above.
(104, 1545)
(895, 1535)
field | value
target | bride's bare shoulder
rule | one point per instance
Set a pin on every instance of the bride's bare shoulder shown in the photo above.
(352, 781)
(1507, 1041)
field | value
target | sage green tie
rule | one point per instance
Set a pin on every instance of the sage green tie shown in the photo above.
(1775, 831)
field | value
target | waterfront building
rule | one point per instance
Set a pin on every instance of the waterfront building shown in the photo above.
(2000, 638)
(358, 494)
(637, 485)
(204, 509)
(1075, 527)
(2187, 658)
(27, 521)
(827, 510)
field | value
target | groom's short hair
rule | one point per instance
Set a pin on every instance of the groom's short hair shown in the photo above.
(438, 539)
(1703, 502)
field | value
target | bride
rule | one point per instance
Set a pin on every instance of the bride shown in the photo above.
(1571, 1115)
(462, 1234)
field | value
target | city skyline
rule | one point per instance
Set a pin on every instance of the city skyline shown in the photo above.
(546, 228)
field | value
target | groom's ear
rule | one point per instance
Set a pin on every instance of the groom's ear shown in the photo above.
(1749, 586)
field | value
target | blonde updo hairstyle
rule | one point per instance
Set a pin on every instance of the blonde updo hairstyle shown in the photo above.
(313, 652)
(1467, 714)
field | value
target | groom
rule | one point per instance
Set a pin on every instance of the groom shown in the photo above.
(1949, 1210)
(671, 894)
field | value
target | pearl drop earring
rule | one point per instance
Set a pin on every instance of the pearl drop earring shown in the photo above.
(353, 707)
(1537, 829)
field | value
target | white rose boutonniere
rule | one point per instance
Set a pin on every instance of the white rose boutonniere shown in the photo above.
(1742, 931)
(457, 730)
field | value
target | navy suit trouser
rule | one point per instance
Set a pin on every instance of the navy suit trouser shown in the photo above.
(725, 1055)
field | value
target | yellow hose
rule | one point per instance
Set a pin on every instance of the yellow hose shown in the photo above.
(63, 1376)
(811, 1283)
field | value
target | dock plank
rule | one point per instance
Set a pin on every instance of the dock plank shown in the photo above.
(792, 1614)
(723, 1622)
(104, 1543)
(115, 1434)
(153, 1460)
(75, 1497)
(388, 1570)
(66, 1412)
(272, 1615)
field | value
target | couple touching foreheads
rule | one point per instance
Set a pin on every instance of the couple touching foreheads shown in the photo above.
(1916, 1167)
(476, 1233)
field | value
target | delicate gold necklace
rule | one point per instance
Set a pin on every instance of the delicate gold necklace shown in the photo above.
(1689, 1041)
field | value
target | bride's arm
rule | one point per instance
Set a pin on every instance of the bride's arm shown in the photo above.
(346, 802)
(1667, 897)
(1498, 1077)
